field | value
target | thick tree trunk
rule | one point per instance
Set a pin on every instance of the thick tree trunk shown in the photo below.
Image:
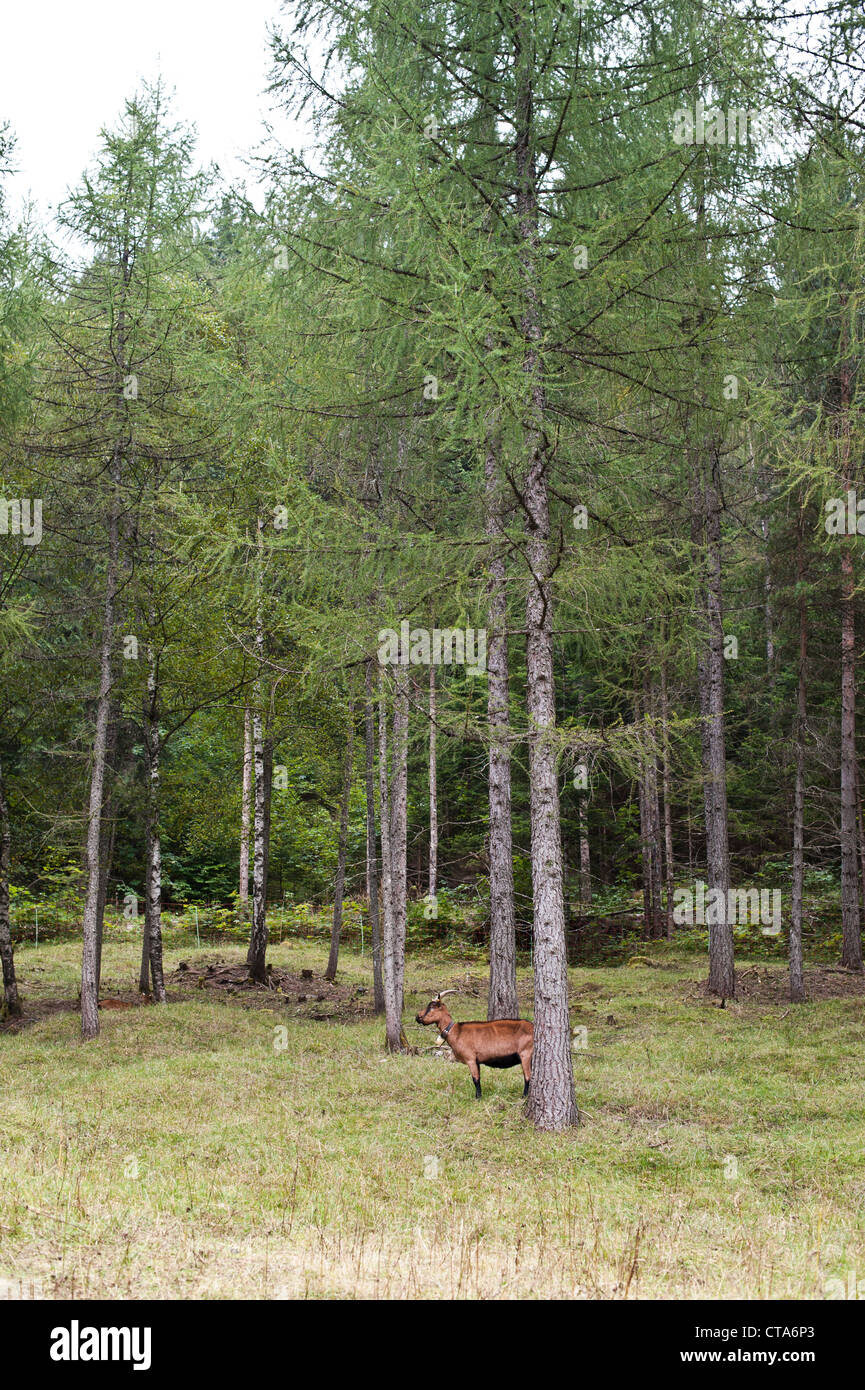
(371, 856)
(551, 1102)
(245, 812)
(393, 1008)
(398, 853)
(851, 954)
(797, 984)
(502, 999)
(12, 1002)
(433, 791)
(90, 951)
(706, 513)
(339, 887)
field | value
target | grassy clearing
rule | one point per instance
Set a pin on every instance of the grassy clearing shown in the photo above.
(182, 1155)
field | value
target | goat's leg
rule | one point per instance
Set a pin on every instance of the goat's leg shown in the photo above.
(526, 1059)
(476, 1078)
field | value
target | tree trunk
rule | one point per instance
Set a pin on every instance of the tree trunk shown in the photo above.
(393, 1009)
(245, 812)
(107, 836)
(851, 954)
(656, 867)
(767, 605)
(669, 870)
(551, 1102)
(797, 984)
(433, 791)
(257, 953)
(12, 1003)
(502, 999)
(153, 884)
(585, 853)
(707, 513)
(339, 887)
(398, 851)
(256, 957)
(371, 857)
(90, 950)
(860, 826)
(650, 826)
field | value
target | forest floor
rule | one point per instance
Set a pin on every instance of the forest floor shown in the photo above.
(258, 1143)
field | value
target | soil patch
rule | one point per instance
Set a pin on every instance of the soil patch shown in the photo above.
(759, 984)
(304, 992)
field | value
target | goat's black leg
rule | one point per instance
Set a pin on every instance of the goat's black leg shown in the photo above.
(477, 1081)
(525, 1089)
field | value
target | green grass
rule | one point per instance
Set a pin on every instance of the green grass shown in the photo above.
(182, 1155)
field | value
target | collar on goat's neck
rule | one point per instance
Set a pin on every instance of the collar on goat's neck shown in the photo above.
(444, 1031)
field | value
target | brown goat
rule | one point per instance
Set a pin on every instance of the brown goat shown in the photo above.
(503, 1042)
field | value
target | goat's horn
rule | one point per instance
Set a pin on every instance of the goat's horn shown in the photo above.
(447, 991)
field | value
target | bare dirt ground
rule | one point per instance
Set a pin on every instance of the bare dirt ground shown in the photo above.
(770, 984)
(305, 994)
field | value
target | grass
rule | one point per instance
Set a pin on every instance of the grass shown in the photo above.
(183, 1154)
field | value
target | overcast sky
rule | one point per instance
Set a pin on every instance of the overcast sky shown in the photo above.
(66, 67)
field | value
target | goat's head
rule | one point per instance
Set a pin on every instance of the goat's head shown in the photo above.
(435, 1011)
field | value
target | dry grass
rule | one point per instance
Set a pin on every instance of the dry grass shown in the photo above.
(183, 1155)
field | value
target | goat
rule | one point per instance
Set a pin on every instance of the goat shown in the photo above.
(503, 1042)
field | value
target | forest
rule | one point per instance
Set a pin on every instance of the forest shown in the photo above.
(434, 563)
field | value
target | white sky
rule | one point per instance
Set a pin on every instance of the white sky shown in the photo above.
(66, 67)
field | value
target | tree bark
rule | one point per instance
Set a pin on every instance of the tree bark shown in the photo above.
(851, 954)
(371, 856)
(706, 513)
(256, 957)
(12, 1001)
(669, 870)
(860, 827)
(551, 1102)
(245, 811)
(650, 830)
(339, 887)
(502, 998)
(585, 853)
(90, 950)
(433, 790)
(797, 983)
(654, 815)
(257, 953)
(153, 884)
(107, 835)
(398, 853)
(393, 1007)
